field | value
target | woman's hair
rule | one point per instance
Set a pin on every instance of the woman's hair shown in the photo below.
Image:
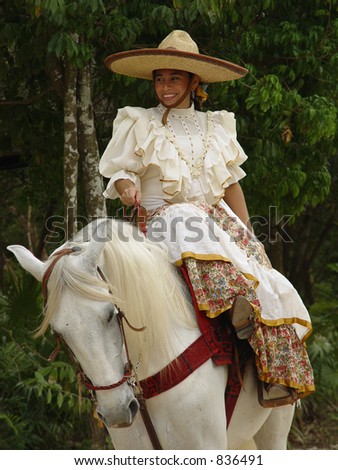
(199, 96)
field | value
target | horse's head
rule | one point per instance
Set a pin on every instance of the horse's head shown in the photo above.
(79, 309)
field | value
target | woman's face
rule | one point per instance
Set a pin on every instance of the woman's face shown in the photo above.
(170, 85)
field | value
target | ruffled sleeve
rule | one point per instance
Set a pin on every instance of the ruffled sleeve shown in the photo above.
(235, 152)
(120, 159)
(226, 145)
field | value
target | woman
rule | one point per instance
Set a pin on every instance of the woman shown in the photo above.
(184, 167)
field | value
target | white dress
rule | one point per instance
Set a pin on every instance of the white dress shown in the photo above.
(194, 158)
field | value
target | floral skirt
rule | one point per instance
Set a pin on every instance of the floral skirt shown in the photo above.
(280, 354)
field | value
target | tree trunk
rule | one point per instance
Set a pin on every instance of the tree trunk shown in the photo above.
(71, 154)
(88, 149)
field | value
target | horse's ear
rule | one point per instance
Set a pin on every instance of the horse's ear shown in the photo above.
(28, 261)
(100, 235)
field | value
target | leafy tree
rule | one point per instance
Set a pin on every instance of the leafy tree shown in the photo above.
(61, 68)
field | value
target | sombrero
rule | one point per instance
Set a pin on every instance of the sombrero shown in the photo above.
(177, 51)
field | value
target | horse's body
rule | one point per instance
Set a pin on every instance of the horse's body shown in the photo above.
(143, 284)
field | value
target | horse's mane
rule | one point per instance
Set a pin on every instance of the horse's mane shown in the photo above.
(142, 283)
(81, 282)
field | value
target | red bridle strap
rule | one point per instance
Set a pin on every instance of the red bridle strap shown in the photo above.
(127, 374)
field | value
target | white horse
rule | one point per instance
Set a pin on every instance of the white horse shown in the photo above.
(135, 275)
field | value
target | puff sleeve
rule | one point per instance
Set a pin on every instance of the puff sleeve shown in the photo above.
(120, 159)
(226, 141)
(224, 157)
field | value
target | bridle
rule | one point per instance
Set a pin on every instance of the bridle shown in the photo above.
(129, 375)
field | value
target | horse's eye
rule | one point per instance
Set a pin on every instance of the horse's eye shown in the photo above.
(111, 316)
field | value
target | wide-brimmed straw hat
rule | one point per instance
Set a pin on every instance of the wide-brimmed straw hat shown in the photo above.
(179, 52)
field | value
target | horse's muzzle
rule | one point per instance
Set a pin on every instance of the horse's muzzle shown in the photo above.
(123, 418)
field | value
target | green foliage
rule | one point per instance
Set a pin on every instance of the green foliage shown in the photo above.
(319, 411)
(323, 350)
(40, 407)
(55, 384)
(21, 303)
(266, 95)
(36, 413)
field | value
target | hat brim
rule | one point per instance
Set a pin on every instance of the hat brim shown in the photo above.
(141, 63)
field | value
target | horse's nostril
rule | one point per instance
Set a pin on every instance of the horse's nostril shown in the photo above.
(133, 407)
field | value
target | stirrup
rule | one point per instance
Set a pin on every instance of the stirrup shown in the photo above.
(272, 395)
(240, 314)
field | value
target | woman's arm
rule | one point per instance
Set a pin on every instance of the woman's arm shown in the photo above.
(128, 192)
(235, 199)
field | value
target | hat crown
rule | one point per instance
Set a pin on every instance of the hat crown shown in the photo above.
(179, 40)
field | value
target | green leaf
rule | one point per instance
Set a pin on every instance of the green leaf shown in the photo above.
(59, 399)
(265, 95)
(294, 189)
(72, 375)
(40, 378)
(49, 396)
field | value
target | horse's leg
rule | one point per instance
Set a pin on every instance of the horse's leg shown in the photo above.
(192, 414)
(250, 445)
(134, 437)
(248, 416)
(269, 427)
(273, 434)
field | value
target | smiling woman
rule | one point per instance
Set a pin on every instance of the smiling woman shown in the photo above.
(183, 164)
(173, 87)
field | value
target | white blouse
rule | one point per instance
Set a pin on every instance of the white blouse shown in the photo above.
(196, 156)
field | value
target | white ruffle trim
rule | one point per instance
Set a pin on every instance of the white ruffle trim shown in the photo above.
(139, 140)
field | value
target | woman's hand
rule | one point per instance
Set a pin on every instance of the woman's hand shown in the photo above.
(130, 195)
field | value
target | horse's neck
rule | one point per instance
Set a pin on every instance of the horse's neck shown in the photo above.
(179, 338)
(155, 299)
